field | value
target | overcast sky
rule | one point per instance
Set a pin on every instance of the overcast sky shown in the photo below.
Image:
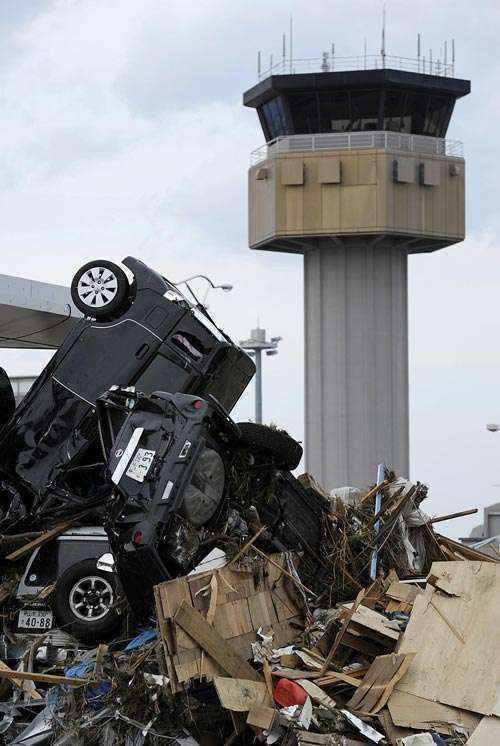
(122, 132)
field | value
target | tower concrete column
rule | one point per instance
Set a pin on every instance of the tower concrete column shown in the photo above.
(356, 361)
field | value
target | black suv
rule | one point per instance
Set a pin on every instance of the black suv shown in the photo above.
(142, 332)
(187, 479)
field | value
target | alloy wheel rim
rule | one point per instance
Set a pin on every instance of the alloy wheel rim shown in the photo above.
(91, 598)
(97, 287)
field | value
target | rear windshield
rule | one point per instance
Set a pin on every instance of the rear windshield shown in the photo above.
(56, 557)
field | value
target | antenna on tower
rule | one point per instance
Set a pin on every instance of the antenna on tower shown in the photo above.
(418, 50)
(364, 52)
(271, 63)
(291, 43)
(259, 66)
(284, 47)
(453, 56)
(430, 61)
(446, 58)
(333, 56)
(382, 49)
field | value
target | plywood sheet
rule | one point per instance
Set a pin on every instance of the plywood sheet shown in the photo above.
(366, 620)
(487, 733)
(408, 711)
(461, 669)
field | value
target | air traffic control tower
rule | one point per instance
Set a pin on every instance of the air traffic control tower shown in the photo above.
(356, 174)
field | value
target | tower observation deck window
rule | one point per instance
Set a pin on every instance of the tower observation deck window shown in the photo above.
(274, 117)
(389, 109)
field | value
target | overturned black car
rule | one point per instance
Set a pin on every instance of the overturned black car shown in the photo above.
(142, 332)
(188, 479)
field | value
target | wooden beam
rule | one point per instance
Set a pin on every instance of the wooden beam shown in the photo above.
(247, 546)
(374, 490)
(18, 680)
(192, 622)
(43, 678)
(341, 632)
(42, 539)
(448, 517)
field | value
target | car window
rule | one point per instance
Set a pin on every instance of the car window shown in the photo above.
(56, 557)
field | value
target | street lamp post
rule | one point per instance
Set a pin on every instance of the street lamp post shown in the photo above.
(255, 345)
(210, 284)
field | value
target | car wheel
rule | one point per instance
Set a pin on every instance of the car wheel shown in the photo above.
(100, 289)
(84, 597)
(278, 445)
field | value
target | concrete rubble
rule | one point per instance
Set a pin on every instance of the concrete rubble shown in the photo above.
(205, 595)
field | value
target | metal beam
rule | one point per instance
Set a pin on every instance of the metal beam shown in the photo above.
(35, 315)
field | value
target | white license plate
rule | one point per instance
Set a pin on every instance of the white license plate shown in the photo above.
(31, 619)
(140, 464)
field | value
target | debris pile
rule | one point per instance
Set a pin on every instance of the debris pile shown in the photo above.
(254, 646)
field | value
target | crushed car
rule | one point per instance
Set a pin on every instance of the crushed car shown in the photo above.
(140, 331)
(188, 479)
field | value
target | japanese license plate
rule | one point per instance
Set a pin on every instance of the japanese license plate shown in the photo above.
(140, 464)
(33, 619)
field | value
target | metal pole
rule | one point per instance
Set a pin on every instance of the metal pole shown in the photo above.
(258, 386)
(378, 505)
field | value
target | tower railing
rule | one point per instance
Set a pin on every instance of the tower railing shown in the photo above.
(358, 140)
(331, 63)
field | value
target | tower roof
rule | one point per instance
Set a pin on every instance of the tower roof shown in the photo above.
(354, 80)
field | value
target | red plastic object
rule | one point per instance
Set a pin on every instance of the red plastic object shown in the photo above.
(288, 693)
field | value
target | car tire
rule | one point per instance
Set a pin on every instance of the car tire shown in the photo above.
(100, 289)
(283, 449)
(79, 609)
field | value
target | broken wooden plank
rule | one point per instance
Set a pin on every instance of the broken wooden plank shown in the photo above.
(379, 682)
(450, 516)
(333, 677)
(192, 622)
(317, 694)
(42, 539)
(247, 546)
(392, 731)
(285, 572)
(240, 695)
(18, 680)
(266, 670)
(463, 550)
(262, 717)
(370, 623)
(304, 738)
(487, 732)
(343, 629)
(42, 678)
(409, 711)
(376, 488)
(405, 592)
